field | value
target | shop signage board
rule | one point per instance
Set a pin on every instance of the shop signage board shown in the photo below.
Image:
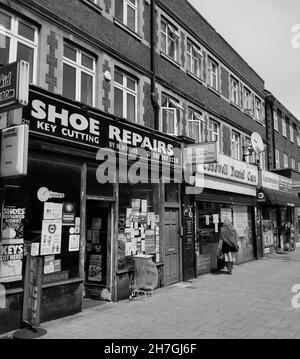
(276, 182)
(58, 119)
(14, 85)
(231, 169)
(14, 151)
(201, 153)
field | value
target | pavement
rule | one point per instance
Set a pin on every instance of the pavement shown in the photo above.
(255, 302)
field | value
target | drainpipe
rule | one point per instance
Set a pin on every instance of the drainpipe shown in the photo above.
(153, 31)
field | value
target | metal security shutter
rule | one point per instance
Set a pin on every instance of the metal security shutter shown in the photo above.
(224, 197)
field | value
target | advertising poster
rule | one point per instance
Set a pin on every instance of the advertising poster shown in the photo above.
(11, 259)
(53, 210)
(240, 219)
(49, 264)
(136, 204)
(13, 222)
(68, 215)
(74, 243)
(95, 268)
(149, 242)
(51, 237)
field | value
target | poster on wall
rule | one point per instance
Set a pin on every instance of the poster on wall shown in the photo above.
(11, 259)
(150, 242)
(51, 237)
(95, 268)
(49, 264)
(268, 233)
(74, 243)
(240, 219)
(13, 226)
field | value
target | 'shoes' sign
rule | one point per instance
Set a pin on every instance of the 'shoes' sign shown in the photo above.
(61, 120)
(14, 85)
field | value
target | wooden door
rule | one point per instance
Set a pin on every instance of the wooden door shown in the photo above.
(171, 246)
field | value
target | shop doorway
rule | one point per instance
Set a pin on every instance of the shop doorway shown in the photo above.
(171, 246)
(97, 253)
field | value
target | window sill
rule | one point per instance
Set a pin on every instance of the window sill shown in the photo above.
(235, 105)
(95, 7)
(214, 90)
(248, 114)
(124, 27)
(259, 122)
(174, 62)
(276, 129)
(195, 77)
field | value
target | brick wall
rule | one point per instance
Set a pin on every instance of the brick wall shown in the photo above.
(107, 88)
(148, 108)
(51, 79)
(225, 82)
(226, 140)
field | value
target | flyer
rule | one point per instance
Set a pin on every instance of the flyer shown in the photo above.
(51, 237)
(149, 242)
(144, 205)
(136, 204)
(11, 258)
(35, 249)
(74, 243)
(53, 210)
(49, 264)
(57, 265)
(13, 222)
(96, 237)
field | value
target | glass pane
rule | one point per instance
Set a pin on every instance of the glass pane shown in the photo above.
(4, 52)
(131, 108)
(69, 82)
(86, 89)
(131, 18)
(119, 77)
(26, 53)
(5, 20)
(163, 43)
(168, 121)
(119, 10)
(171, 49)
(69, 53)
(87, 61)
(130, 84)
(118, 102)
(163, 27)
(26, 31)
(133, 2)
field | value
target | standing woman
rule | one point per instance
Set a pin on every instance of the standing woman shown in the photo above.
(228, 244)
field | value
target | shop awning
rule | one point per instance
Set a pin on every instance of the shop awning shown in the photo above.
(281, 198)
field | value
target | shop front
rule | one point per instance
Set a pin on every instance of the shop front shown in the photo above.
(279, 212)
(79, 212)
(229, 191)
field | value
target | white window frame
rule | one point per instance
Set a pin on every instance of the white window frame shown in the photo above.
(277, 159)
(235, 145)
(15, 38)
(258, 109)
(171, 34)
(293, 163)
(275, 115)
(125, 90)
(298, 136)
(249, 158)
(292, 135)
(212, 134)
(172, 107)
(248, 101)
(234, 90)
(284, 132)
(285, 161)
(194, 55)
(81, 69)
(196, 118)
(298, 166)
(126, 4)
(213, 74)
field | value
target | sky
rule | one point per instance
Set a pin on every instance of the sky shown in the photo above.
(261, 32)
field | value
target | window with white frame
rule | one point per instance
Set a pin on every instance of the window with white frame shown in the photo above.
(20, 42)
(292, 137)
(213, 74)
(248, 101)
(196, 125)
(275, 119)
(283, 126)
(258, 110)
(234, 90)
(277, 159)
(298, 137)
(213, 131)
(235, 145)
(126, 12)
(293, 163)
(285, 161)
(170, 113)
(298, 166)
(169, 39)
(250, 155)
(125, 95)
(78, 75)
(194, 59)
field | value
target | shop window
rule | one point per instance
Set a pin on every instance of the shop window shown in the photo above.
(248, 102)
(194, 59)
(138, 223)
(20, 40)
(234, 90)
(125, 96)
(169, 39)
(196, 124)
(235, 145)
(170, 111)
(94, 188)
(213, 74)
(78, 75)
(126, 12)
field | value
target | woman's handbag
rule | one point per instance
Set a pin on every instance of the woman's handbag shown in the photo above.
(220, 260)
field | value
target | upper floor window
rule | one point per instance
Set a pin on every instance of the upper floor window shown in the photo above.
(20, 41)
(248, 101)
(277, 159)
(293, 163)
(196, 126)
(298, 137)
(125, 96)
(126, 12)
(170, 116)
(194, 59)
(275, 119)
(298, 166)
(235, 145)
(284, 126)
(234, 90)
(285, 161)
(250, 156)
(213, 131)
(258, 114)
(169, 40)
(213, 74)
(292, 138)
(78, 75)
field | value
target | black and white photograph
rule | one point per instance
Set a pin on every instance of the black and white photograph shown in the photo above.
(150, 173)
